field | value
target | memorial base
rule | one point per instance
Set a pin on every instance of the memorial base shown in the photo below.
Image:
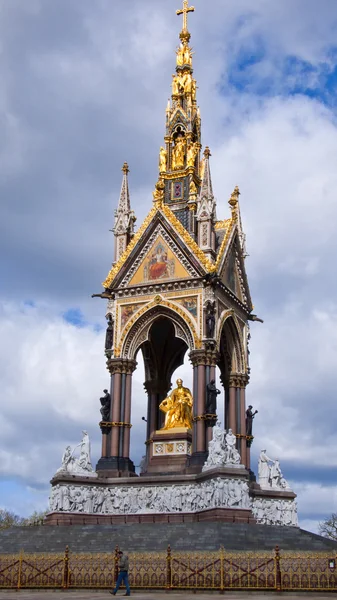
(216, 514)
(115, 466)
(169, 451)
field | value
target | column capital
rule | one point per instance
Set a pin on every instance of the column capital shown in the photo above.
(157, 386)
(121, 365)
(208, 357)
(238, 380)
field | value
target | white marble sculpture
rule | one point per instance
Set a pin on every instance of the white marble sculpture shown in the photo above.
(275, 511)
(82, 464)
(232, 455)
(116, 500)
(222, 450)
(270, 474)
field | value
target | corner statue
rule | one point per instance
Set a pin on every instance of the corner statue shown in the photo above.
(178, 408)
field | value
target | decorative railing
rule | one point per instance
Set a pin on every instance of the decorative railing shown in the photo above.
(220, 570)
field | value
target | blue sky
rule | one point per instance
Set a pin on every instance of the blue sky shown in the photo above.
(84, 88)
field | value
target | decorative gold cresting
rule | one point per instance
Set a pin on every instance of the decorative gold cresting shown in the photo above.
(185, 36)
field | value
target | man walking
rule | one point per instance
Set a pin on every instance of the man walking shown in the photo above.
(123, 565)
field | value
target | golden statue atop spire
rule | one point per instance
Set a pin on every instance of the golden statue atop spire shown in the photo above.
(185, 35)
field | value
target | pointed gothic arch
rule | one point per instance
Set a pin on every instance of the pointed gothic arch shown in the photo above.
(138, 332)
(230, 346)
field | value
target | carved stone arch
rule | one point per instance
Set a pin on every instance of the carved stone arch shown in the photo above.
(230, 345)
(139, 332)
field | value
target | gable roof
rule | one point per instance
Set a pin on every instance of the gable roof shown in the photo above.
(160, 212)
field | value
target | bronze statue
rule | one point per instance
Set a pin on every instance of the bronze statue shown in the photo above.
(105, 408)
(178, 408)
(109, 336)
(249, 419)
(212, 393)
(210, 320)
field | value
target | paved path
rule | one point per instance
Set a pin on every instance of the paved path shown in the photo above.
(99, 595)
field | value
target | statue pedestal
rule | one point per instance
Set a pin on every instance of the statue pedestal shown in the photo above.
(169, 451)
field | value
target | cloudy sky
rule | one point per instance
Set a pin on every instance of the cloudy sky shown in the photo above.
(84, 87)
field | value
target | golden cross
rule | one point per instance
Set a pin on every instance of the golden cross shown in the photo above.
(184, 11)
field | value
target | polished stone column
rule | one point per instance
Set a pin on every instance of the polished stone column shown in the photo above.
(127, 416)
(157, 390)
(201, 407)
(237, 413)
(243, 445)
(115, 460)
(203, 362)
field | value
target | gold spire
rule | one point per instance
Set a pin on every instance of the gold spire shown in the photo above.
(184, 35)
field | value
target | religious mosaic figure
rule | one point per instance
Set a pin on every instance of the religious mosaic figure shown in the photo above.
(159, 265)
(105, 406)
(178, 407)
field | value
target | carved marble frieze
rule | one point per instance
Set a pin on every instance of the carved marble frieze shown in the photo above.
(121, 500)
(275, 511)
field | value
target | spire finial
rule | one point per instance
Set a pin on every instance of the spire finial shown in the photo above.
(184, 35)
(234, 199)
(125, 168)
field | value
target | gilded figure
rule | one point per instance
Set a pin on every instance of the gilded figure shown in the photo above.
(202, 168)
(193, 189)
(162, 160)
(187, 83)
(192, 152)
(178, 408)
(176, 83)
(194, 89)
(178, 155)
(180, 55)
(187, 56)
(158, 194)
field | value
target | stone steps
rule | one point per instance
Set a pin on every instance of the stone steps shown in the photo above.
(156, 537)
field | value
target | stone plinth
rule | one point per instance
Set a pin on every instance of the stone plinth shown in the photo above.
(169, 451)
(215, 514)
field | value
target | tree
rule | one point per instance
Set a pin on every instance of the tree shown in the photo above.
(36, 518)
(328, 528)
(9, 519)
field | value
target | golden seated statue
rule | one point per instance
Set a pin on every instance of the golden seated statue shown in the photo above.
(178, 408)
